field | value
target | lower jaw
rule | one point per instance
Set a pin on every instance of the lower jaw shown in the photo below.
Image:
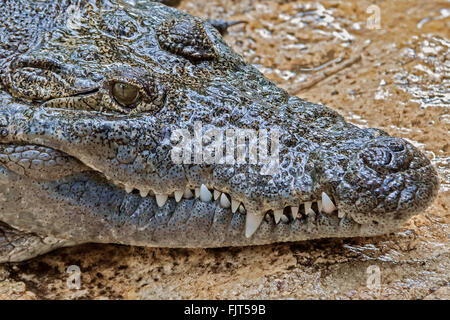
(85, 208)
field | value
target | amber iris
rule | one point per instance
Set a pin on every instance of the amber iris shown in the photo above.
(126, 94)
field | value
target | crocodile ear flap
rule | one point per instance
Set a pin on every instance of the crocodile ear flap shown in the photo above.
(186, 37)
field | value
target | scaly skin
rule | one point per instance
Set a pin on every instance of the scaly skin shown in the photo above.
(72, 143)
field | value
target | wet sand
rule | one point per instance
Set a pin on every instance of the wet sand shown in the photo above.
(396, 78)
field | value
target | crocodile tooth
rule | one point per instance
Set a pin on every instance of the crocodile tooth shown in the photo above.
(241, 209)
(252, 222)
(328, 206)
(224, 202)
(197, 193)
(216, 194)
(294, 211)
(234, 205)
(188, 193)
(205, 194)
(161, 199)
(277, 214)
(319, 205)
(128, 188)
(144, 192)
(308, 209)
(341, 214)
(178, 195)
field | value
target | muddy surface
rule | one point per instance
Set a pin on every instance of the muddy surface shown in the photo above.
(395, 77)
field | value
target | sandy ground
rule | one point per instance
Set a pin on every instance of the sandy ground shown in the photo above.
(396, 78)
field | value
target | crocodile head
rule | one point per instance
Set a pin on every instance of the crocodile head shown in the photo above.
(94, 111)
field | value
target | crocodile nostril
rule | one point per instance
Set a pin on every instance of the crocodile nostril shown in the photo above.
(4, 132)
(376, 157)
(396, 145)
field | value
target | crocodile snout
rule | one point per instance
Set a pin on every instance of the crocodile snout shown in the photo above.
(387, 182)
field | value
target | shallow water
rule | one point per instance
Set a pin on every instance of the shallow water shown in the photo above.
(396, 78)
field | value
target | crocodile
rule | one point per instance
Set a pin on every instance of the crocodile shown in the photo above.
(93, 96)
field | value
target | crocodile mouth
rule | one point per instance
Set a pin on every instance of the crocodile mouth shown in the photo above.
(363, 202)
(325, 214)
(303, 212)
(351, 208)
(48, 164)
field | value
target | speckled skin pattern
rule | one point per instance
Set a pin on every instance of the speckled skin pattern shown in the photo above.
(68, 148)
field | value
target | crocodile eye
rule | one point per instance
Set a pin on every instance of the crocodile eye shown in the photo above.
(125, 94)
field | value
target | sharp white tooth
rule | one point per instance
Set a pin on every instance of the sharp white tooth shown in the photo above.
(216, 194)
(328, 206)
(294, 211)
(161, 199)
(178, 195)
(241, 209)
(187, 194)
(341, 214)
(205, 194)
(277, 214)
(308, 209)
(234, 205)
(319, 205)
(128, 189)
(144, 192)
(197, 193)
(224, 202)
(252, 222)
